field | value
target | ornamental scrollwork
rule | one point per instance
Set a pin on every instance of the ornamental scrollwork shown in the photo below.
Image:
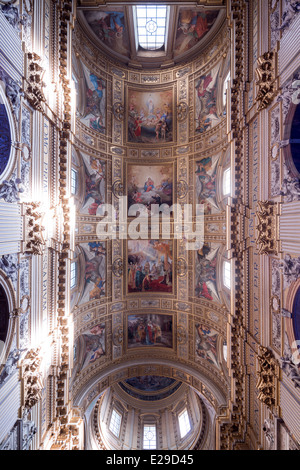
(34, 89)
(266, 227)
(118, 111)
(182, 189)
(265, 79)
(32, 378)
(118, 267)
(182, 111)
(268, 376)
(34, 239)
(118, 189)
(181, 267)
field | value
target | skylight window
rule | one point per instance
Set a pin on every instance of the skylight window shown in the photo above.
(115, 423)
(151, 23)
(184, 423)
(149, 441)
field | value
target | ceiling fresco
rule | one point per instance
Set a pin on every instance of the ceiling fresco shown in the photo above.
(113, 28)
(150, 387)
(150, 137)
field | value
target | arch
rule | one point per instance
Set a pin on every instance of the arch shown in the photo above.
(292, 324)
(97, 384)
(291, 151)
(296, 315)
(7, 137)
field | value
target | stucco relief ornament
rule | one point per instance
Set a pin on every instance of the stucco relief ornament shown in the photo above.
(292, 8)
(29, 429)
(181, 267)
(13, 91)
(118, 267)
(290, 93)
(182, 189)
(10, 365)
(268, 429)
(291, 269)
(9, 264)
(182, 111)
(12, 15)
(118, 111)
(118, 189)
(181, 335)
(118, 336)
(290, 188)
(292, 370)
(10, 190)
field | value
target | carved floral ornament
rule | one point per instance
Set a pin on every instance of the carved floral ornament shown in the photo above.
(268, 377)
(34, 239)
(266, 79)
(266, 215)
(34, 88)
(32, 378)
(118, 111)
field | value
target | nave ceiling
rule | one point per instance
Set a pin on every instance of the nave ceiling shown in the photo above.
(111, 315)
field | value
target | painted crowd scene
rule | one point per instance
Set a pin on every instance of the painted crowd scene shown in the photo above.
(149, 185)
(150, 116)
(150, 266)
(150, 330)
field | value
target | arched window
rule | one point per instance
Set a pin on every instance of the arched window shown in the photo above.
(4, 315)
(294, 139)
(296, 316)
(5, 137)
